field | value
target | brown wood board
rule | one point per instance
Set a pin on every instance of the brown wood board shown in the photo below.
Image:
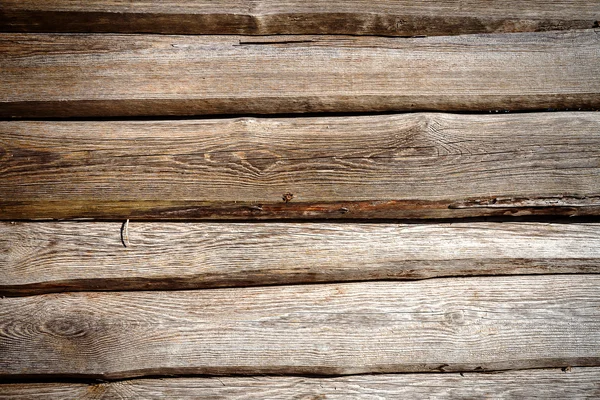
(446, 324)
(390, 166)
(267, 17)
(87, 75)
(43, 257)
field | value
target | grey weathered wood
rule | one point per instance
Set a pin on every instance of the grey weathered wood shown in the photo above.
(390, 166)
(318, 17)
(574, 383)
(484, 323)
(54, 75)
(55, 256)
(265, 17)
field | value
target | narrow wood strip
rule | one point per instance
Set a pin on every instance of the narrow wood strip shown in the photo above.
(390, 166)
(432, 325)
(267, 17)
(572, 383)
(54, 75)
(50, 257)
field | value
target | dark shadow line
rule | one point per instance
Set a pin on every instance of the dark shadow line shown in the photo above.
(293, 115)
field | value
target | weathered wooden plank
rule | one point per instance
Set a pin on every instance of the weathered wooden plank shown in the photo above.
(574, 383)
(267, 17)
(53, 75)
(445, 324)
(389, 166)
(51, 256)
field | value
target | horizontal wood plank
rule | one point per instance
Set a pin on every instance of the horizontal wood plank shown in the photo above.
(267, 17)
(470, 324)
(389, 166)
(572, 383)
(54, 75)
(56, 256)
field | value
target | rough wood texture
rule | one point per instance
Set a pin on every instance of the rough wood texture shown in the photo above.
(449, 325)
(574, 383)
(65, 75)
(393, 166)
(267, 17)
(50, 257)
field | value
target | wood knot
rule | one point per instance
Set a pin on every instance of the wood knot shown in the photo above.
(65, 328)
(287, 197)
(455, 318)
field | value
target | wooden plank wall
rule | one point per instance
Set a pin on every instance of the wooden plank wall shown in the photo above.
(265, 199)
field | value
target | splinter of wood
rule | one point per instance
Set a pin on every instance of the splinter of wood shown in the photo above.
(125, 233)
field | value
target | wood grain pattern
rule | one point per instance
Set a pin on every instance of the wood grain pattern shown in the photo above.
(267, 17)
(449, 325)
(577, 383)
(52, 256)
(54, 75)
(391, 166)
